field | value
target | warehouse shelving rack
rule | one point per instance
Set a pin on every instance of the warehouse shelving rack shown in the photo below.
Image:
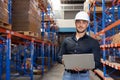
(34, 46)
(110, 20)
(50, 30)
(29, 43)
(50, 48)
(8, 57)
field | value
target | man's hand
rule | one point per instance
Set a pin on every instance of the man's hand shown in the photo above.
(78, 69)
(62, 61)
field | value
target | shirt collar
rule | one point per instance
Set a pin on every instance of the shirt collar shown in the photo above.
(74, 37)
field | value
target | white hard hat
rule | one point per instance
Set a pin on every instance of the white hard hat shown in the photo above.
(82, 15)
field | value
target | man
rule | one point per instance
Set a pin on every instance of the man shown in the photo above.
(78, 44)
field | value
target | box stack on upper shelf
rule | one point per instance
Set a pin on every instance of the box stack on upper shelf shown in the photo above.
(45, 2)
(116, 38)
(91, 3)
(4, 17)
(4, 11)
(26, 16)
(43, 5)
(87, 4)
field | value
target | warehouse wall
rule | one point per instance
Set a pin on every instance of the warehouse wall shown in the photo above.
(69, 14)
(68, 23)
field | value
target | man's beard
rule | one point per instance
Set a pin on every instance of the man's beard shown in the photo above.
(80, 31)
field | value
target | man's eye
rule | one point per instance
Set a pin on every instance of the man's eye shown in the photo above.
(85, 22)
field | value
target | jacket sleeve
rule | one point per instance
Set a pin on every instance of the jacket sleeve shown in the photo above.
(96, 51)
(60, 52)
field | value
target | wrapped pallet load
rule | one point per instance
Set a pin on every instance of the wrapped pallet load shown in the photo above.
(4, 11)
(86, 5)
(26, 16)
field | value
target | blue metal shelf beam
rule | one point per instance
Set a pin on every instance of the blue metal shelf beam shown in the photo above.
(8, 56)
(95, 22)
(103, 38)
(48, 28)
(49, 57)
(24, 60)
(42, 52)
(53, 54)
(32, 54)
(98, 4)
(88, 29)
(10, 11)
(1, 52)
(42, 28)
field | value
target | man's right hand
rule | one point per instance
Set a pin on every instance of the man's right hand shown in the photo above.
(62, 61)
(78, 69)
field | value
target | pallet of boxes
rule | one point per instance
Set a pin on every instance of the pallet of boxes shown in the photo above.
(116, 38)
(40, 66)
(4, 18)
(26, 17)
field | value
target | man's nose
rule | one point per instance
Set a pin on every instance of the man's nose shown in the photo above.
(81, 23)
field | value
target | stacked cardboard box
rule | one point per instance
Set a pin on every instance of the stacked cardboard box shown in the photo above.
(26, 16)
(4, 11)
(39, 60)
(43, 5)
(86, 6)
(45, 2)
(89, 3)
(116, 38)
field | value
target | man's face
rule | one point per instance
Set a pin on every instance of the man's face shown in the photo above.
(81, 25)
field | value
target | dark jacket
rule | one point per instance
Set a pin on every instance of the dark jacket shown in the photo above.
(86, 44)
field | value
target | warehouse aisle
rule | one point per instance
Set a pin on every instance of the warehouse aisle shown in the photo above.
(55, 73)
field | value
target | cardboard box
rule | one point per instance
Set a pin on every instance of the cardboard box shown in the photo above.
(3, 11)
(25, 16)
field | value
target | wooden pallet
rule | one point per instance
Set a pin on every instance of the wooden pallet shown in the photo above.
(5, 25)
(39, 72)
(29, 33)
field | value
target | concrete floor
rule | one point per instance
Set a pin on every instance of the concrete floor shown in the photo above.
(55, 73)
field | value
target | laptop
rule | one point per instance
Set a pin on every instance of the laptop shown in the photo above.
(85, 61)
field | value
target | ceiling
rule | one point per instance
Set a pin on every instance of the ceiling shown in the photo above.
(68, 7)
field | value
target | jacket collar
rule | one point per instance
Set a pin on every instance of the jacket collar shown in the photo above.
(74, 37)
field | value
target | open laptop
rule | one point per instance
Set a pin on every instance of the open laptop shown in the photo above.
(85, 61)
